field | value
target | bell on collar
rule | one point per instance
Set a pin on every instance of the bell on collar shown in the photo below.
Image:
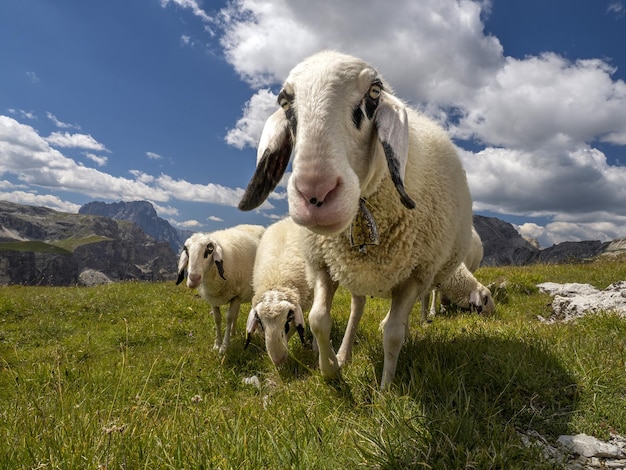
(363, 230)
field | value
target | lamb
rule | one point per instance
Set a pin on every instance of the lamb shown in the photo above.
(462, 288)
(379, 187)
(282, 289)
(220, 265)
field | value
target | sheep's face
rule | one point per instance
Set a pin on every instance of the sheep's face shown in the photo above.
(481, 301)
(199, 254)
(279, 319)
(342, 126)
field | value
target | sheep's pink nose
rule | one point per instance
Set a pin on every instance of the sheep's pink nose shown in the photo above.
(194, 279)
(278, 359)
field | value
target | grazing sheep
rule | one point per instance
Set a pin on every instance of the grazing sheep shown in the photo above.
(220, 265)
(282, 289)
(379, 186)
(465, 291)
(462, 288)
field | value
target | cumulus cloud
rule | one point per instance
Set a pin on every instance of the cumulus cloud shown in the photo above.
(247, 131)
(34, 199)
(186, 224)
(67, 140)
(153, 156)
(546, 100)
(97, 159)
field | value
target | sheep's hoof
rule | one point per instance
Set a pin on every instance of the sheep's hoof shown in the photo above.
(343, 359)
(330, 369)
(222, 350)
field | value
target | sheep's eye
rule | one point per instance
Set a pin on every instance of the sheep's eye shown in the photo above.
(375, 90)
(285, 104)
(290, 317)
(208, 250)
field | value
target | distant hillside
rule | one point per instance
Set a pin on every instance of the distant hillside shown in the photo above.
(503, 245)
(40, 246)
(143, 214)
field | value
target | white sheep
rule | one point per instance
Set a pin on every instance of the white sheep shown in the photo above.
(282, 288)
(465, 291)
(220, 265)
(379, 186)
(462, 288)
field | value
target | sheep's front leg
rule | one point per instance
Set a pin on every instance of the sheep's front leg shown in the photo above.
(402, 299)
(426, 313)
(217, 316)
(231, 319)
(356, 312)
(320, 322)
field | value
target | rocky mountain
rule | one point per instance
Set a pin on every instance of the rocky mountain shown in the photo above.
(40, 246)
(503, 245)
(143, 214)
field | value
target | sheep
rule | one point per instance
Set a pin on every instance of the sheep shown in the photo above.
(465, 291)
(379, 187)
(220, 265)
(282, 289)
(462, 288)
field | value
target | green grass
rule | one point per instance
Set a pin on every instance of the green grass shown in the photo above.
(34, 246)
(124, 376)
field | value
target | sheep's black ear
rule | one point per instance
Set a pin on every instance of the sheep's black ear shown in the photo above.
(182, 264)
(251, 326)
(273, 156)
(220, 268)
(393, 132)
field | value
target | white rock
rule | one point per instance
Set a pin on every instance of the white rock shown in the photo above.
(589, 446)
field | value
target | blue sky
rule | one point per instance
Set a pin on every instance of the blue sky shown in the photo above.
(164, 100)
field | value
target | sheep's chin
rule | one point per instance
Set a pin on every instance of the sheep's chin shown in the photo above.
(322, 223)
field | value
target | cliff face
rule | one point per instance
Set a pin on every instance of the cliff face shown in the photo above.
(503, 245)
(39, 246)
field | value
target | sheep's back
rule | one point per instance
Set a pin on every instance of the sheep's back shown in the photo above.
(280, 262)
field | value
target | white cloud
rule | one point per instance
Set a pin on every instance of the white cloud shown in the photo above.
(248, 129)
(22, 113)
(186, 224)
(34, 199)
(546, 100)
(617, 9)
(33, 77)
(97, 159)
(61, 124)
(214, 218)
(153, 156)
(67, 140)
(192, 5)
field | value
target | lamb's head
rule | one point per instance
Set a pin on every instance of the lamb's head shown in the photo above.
(342, 123)
(199, 253)
(481, 301)
(278, 318)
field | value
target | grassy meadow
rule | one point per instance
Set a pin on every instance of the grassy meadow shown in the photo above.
(124, 376)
